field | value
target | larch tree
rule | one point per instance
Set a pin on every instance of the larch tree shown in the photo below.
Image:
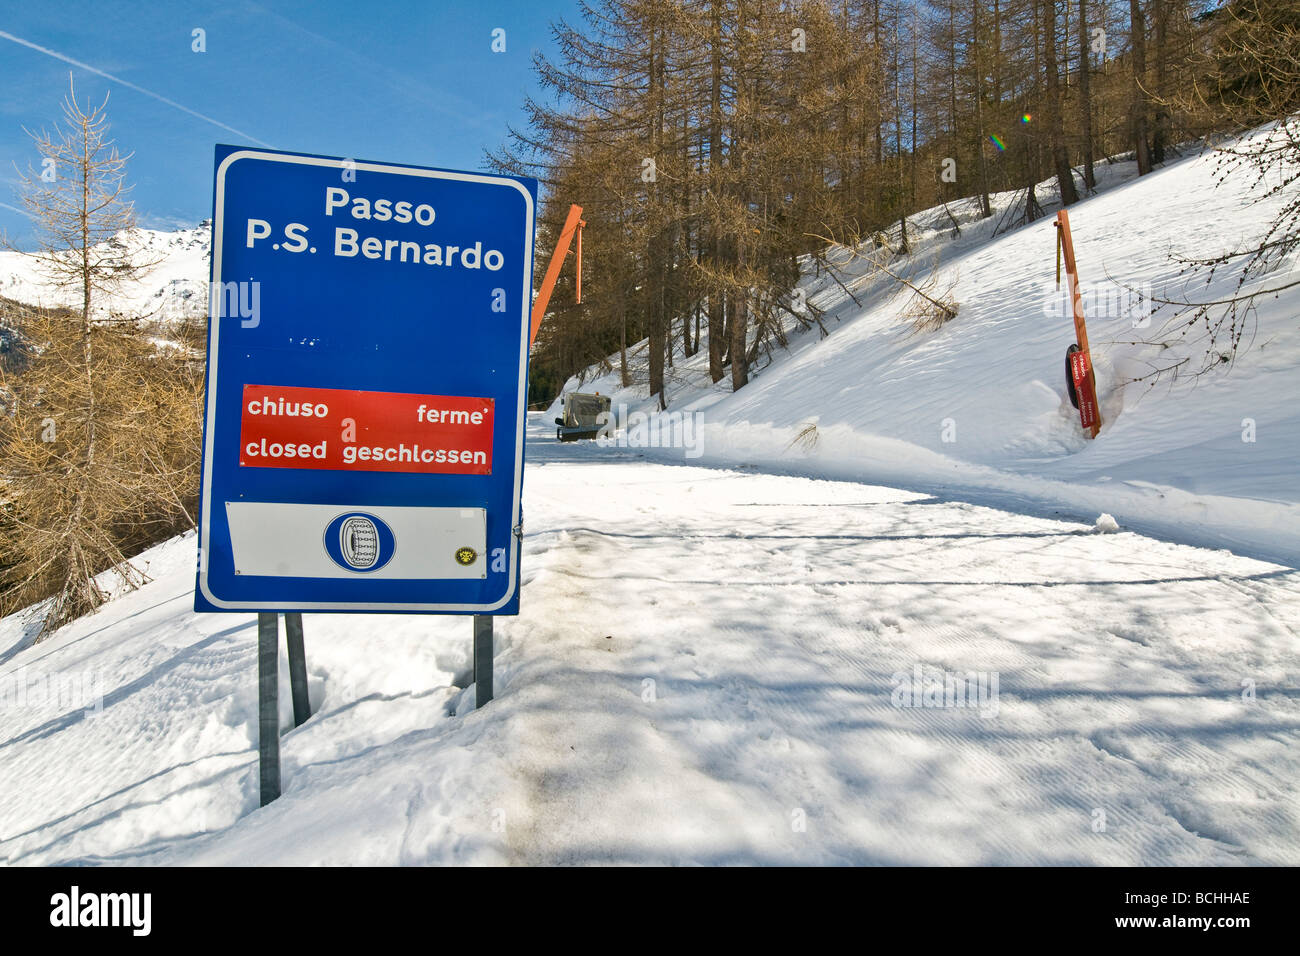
(102, 453)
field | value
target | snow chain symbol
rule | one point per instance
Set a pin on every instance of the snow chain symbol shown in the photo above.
(360, 541)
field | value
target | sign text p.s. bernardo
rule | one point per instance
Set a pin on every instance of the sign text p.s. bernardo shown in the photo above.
(350, 243)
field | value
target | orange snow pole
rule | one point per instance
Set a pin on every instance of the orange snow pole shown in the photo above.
(1085, 381)
(578, 297)
(572, 224)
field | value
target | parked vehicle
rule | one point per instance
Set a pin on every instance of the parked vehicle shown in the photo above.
(582, 416)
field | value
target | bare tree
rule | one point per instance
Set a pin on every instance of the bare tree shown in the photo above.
(96, 444)
(78, 200)
(1253, 76)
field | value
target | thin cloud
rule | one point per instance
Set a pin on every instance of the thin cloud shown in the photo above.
(404, 84)
(129, 85)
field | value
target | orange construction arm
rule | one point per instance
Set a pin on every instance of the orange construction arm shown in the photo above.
(571, 225)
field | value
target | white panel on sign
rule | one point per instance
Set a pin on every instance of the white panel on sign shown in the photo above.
(273, 539)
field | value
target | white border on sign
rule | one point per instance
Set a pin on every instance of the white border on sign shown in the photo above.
(214, 326)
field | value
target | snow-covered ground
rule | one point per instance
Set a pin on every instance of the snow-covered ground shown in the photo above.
(979, 408)
(711, 666)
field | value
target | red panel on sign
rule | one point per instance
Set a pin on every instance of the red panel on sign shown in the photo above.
(288, 426)
(1084, 389)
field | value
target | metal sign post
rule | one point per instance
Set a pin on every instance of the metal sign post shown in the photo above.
(297, 668)
(363, 441)
(482, 659)
(268, 705)
(268, 694)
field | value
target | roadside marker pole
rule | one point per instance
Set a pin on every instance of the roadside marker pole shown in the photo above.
(268, 704)
(1081, 371)
(482, 659)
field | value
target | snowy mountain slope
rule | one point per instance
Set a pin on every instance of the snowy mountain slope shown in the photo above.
(174, 287)
(716, 665)
(979, 407)
(710, 666)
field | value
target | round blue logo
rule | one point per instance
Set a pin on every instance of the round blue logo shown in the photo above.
(359, 542)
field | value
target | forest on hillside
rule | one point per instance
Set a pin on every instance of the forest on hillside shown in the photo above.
(711, 143)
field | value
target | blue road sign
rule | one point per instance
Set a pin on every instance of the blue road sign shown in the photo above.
(363, 442)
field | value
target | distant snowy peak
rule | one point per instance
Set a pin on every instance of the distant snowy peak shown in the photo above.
(171, 289)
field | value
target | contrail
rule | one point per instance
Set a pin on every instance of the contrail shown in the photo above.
(21, 212)
(403, 84)
(129, 85)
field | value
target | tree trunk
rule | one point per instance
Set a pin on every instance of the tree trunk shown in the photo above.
(898, 140)
(717, 311)
(87, 165)
(738, 320)
(1056, 125)
(739, 335)
(656, 253)
(880, 60)
(1085, 97)
(997, 53)
(986, 208)
(1159, 134)
(911, 199)
(1138, 106)
(623, 375)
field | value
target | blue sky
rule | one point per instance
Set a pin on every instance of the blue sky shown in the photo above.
(409, 81)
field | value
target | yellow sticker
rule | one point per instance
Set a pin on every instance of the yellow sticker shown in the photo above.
(466, 556)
